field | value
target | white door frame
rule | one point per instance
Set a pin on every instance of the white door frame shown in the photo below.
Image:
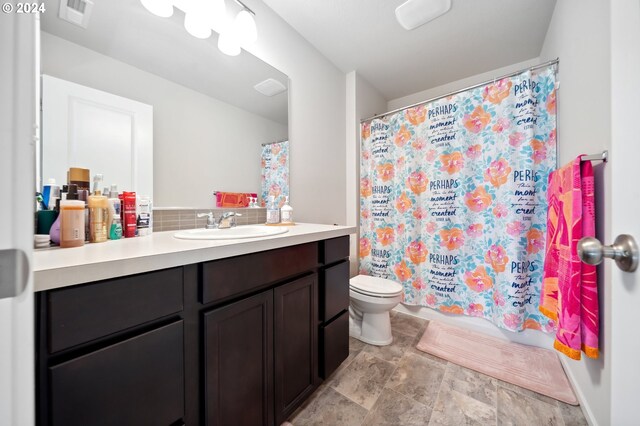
(19, 115)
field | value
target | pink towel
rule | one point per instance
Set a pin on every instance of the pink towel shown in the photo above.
(569, 288)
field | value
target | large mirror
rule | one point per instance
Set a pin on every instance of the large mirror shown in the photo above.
(209, 122)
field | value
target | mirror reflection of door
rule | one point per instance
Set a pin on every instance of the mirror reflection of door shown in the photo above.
(92, 129)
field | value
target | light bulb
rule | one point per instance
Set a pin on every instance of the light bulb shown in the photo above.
(228, 43)
(196, 24)
(161, 8)
(245, 27)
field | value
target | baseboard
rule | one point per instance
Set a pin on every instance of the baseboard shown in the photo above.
(584, 405)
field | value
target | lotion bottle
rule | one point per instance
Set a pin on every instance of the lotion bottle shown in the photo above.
(98, 212)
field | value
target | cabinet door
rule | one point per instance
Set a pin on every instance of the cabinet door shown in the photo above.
(296, 344)
(139, 381)
(238, 360)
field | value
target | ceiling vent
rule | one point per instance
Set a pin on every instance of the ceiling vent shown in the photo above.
(413, 13)
(270, 87)
(77, 12)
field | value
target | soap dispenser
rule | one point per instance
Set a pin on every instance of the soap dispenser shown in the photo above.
(273, 212)
(286, 212)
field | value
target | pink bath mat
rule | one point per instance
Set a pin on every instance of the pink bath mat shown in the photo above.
(526, 366)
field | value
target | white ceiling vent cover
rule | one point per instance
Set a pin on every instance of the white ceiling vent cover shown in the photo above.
(77, 12)
(413, 13)
(270, 87)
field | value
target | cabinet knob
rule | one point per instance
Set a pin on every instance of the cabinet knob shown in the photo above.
(624, 251)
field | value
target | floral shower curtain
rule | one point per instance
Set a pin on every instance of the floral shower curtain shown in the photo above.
(453, 199)
(275, 172)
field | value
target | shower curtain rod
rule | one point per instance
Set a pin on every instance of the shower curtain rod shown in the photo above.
(271, 143)
(455, 92)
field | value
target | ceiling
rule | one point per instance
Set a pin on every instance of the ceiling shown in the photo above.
(127, 32)
(475, 36)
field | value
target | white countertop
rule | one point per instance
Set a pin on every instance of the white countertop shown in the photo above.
(56, 267)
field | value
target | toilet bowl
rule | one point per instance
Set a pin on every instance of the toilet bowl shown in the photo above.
(371, 300)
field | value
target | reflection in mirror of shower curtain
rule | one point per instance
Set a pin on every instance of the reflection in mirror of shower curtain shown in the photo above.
(275, 172)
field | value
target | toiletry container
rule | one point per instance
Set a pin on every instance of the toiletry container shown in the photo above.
(115, 226)
(80, 177)
(129, 225)
(50, 192)
(115, 214)
(286, 212)
(98, 213)
(54, 232)
(144, 220)
(72, 219)
(273, 212)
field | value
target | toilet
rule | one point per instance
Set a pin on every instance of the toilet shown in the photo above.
(371, 300)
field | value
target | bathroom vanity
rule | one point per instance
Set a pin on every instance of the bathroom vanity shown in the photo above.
(162, 331)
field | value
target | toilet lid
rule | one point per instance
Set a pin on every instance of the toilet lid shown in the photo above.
(375, 286)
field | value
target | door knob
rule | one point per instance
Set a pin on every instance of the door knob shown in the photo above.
(624, 251)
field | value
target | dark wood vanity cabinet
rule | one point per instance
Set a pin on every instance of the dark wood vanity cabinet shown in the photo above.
(242, 341)
(238, 359)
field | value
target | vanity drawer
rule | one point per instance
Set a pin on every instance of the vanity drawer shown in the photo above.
(334, 344)
(139, 381)
(334, 249)
(227, 278)
(334, 290)
(84, 313)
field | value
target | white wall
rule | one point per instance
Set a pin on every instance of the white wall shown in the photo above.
(362, 101)
(424, 95)
(579, 34)
(200, 143)
(316, 118)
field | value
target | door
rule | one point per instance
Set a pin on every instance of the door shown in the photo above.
(624, 289)
(295, 344)
(19, 50)
(78, 122)
(238, 363)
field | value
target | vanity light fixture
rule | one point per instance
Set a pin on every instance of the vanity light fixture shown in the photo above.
(204, 16)
(414, 13)
(161, 8)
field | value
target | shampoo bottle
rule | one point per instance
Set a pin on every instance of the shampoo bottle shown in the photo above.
(286, 212)
(98, 213)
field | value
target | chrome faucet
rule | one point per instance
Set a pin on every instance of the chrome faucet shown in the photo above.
(227, 220)
(211, 221)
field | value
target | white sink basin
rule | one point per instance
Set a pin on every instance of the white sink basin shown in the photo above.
(246, 231)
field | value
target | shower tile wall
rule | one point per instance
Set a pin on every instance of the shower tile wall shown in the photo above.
(178, 219)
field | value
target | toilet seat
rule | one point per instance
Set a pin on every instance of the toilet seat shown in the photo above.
(374, 286)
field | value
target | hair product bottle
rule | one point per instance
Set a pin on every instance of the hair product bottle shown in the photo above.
(98, 213)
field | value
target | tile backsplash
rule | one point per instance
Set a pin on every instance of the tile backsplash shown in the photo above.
(173, 219)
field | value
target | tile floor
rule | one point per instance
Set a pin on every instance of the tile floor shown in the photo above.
(400, 385)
